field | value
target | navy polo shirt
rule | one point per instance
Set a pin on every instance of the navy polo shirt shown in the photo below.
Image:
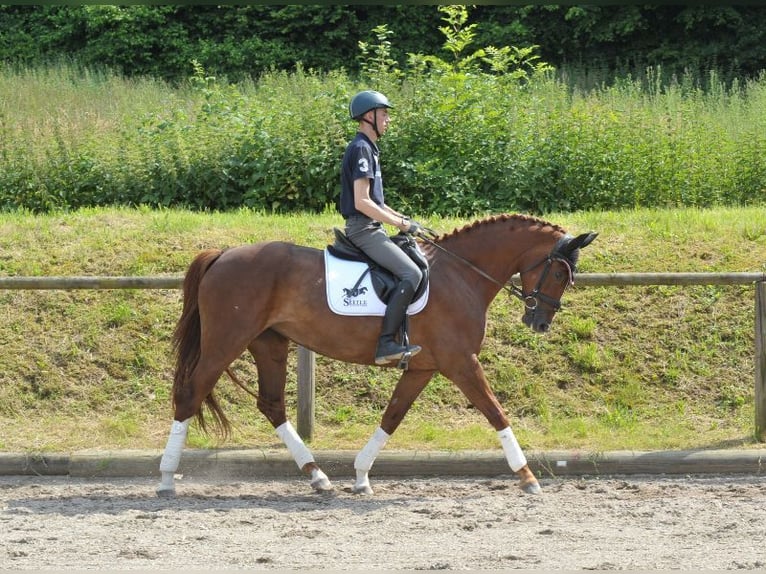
(361, 160)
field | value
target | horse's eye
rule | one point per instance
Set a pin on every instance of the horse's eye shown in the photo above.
(561, 276)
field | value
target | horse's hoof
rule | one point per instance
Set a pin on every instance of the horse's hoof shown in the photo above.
(319, 481)
(166, 492)
(322, 484)
(363, 489)
(531, 487)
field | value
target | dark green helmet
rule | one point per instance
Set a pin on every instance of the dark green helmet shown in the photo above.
(365, 101)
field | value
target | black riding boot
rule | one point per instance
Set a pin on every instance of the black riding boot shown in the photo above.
(388, 349)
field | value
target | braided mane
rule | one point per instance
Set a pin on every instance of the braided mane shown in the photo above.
(527, 220)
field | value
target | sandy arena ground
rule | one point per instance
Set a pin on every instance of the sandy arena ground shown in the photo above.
(636, 523)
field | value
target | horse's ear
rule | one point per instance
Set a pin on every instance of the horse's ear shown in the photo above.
(580, 241)
(584, 240)
(587, 238)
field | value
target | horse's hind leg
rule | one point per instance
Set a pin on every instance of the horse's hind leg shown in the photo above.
(201, 383)
(270, 351)
(171, 458)
(407, 390)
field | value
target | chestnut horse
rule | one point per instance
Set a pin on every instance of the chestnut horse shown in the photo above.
(259, 297)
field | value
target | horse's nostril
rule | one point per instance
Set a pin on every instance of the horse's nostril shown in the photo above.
(543, 327)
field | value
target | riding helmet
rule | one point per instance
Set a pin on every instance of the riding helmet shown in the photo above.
(365, 101)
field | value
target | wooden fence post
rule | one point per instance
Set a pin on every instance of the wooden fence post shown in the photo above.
(760, 361)
(306, 393)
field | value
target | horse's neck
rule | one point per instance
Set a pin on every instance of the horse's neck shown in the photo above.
(496, 252)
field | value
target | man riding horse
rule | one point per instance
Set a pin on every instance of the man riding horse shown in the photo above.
(363, 206)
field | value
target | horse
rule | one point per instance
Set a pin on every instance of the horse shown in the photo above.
(259, 297)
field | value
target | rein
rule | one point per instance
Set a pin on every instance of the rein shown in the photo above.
(531, 300)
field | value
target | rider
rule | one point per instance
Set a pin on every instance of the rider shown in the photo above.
(363, 207)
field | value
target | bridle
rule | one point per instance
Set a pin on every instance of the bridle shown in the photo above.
(531, 299)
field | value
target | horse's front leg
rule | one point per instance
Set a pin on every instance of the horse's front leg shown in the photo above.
(471, 380)
(517, 461)
(270, 351)
(407, 390)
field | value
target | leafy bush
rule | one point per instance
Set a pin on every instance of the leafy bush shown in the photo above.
(488, 130)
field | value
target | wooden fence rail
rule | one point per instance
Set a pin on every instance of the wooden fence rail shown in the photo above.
(583, 279)
(306, 384)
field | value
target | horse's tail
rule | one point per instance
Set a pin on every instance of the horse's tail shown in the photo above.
(186, 340)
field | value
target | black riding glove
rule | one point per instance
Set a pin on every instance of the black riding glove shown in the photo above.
(418, 230)
(415, 228)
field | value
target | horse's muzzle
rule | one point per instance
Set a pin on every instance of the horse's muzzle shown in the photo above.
(536, 320)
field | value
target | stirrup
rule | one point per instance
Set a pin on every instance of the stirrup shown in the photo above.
(403, 355)
(404, 362)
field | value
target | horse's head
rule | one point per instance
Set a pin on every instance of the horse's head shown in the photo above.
(544, 281)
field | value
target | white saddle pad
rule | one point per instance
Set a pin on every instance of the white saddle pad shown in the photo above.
(340, 277)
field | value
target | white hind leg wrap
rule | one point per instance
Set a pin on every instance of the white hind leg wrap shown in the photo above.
(514, 456)
(172, 455)
(176, 441)
(294, 444)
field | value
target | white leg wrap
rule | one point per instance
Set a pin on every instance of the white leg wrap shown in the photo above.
(175, 445)
(513, 454)
(369, 453)
(172, 457)
(366, 457)
(294, 444)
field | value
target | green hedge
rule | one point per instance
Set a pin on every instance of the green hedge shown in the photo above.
(458, 144)
(485, 130)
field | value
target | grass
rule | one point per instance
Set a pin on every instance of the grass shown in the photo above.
(655, 367)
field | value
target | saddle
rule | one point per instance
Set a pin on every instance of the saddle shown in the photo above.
(383, 281)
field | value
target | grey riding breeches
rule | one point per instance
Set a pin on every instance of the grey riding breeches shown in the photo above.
(369, 236)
